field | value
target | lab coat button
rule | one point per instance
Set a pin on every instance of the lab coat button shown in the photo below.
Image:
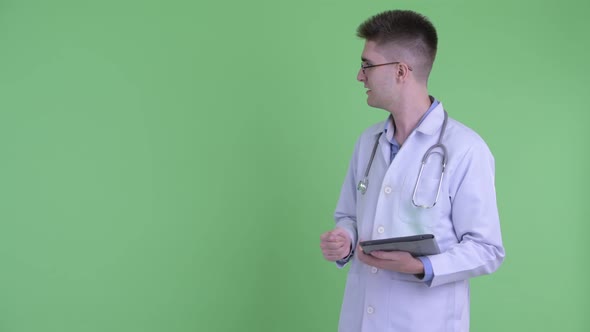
(387, 190)
(380, 230)
(370, 310)
(374, 270)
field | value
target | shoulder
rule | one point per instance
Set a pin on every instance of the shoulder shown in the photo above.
(463, 137)
(466, 148)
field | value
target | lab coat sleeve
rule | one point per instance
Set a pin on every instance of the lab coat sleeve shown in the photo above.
(345, 214)
(475, 220)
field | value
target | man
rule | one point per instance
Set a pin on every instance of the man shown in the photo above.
(381, 197)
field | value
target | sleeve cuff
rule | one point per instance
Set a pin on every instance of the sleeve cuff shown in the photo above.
(428, 274)
(341, 263)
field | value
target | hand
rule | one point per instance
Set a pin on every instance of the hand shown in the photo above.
(335, 244)
(398, 261)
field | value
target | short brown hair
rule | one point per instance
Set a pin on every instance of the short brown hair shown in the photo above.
(404, 28)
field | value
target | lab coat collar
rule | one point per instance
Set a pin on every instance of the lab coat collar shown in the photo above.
(433, 121)
(429, 126)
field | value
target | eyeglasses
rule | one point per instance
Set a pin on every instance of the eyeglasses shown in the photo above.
(364, 67)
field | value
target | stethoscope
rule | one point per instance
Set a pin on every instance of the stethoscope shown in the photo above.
(364, 183)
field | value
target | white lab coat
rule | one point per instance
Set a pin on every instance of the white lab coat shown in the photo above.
(464, 220)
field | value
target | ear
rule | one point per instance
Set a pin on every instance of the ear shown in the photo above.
(402, 71)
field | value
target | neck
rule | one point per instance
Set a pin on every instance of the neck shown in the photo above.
(408, 113)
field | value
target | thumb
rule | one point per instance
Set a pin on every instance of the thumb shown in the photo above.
(341, 232)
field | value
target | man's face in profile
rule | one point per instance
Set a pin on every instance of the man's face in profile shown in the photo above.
(379, 81)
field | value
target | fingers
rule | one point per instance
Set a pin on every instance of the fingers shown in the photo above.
(365, 258)
(334, 245)
(340, 232)
(398, 261)
(389, 255)
(334, 248)
(335, 254)
(335, 238)
(325, 236)
(375, 258)
(329, 237)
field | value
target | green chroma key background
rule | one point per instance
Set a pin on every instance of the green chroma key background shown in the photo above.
(170, 165)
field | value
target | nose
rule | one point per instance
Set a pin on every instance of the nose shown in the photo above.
(360, 76)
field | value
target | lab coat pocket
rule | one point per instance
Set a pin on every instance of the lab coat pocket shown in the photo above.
(417, 208)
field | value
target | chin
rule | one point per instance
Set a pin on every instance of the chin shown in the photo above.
(372, 103)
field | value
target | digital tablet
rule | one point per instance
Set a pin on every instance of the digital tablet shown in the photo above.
(417, 245)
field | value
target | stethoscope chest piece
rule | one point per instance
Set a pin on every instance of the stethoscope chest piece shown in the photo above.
(362, 186)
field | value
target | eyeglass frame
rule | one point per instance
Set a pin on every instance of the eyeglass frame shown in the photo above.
(364, 67)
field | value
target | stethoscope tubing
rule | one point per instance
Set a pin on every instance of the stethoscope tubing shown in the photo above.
(364, 183)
